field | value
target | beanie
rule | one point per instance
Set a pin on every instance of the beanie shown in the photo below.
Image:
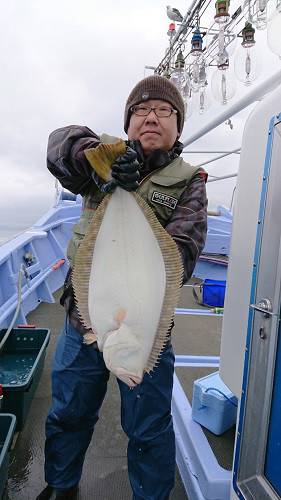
(155, 87)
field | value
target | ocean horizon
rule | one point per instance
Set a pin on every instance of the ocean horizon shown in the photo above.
(9, 232)
(22, 216)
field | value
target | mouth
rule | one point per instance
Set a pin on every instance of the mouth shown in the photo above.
(150, 132)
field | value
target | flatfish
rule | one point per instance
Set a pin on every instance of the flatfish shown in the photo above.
(126, 278)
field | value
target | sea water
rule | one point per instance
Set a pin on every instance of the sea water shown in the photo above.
(16, 367)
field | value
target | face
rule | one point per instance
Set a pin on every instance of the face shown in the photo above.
(153, 132)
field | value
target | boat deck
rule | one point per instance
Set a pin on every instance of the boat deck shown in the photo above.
(105, 470)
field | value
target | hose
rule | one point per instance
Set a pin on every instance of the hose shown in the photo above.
(22, 272)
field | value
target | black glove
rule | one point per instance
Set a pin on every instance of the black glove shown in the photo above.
(104, 187)
(125, 170)
(124, 173)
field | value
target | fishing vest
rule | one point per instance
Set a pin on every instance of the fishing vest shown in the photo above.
(161, 189)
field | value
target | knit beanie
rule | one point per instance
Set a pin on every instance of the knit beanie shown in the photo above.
(155, 87)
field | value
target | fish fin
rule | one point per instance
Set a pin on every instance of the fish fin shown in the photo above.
(83, 263)
(103, 156)
(89, 338)
(174, 276)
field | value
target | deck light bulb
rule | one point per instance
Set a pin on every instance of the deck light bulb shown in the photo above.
(205, 100)
(274, 29)
(223, 85)
(247, 61)
(189, 106)
(188, 97)
(202, 75)
(178, 77)
(195, 71)
(200, 101)
(222, 15)
(247, 64)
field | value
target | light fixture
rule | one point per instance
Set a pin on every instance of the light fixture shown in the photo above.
(222, 15)
(202, 75)
(247, 61)
(204, 100)
(189, 107)
(195, 70)
(223, 83)
(188, 96)
(196, 43)
(172, 30)
(199, 102)
(178, 76)
(274, 30)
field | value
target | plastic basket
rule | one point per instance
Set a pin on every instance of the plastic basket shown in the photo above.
(7, 429)
(22, 344)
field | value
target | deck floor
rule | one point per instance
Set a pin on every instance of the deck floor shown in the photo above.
(105, 470)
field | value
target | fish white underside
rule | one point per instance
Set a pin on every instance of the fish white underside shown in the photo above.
(126, 287)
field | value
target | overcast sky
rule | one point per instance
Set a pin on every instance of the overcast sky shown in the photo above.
(68, 62)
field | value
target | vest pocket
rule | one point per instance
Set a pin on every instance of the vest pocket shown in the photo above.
(164, 199)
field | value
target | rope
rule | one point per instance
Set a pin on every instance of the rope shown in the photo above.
(222, 394)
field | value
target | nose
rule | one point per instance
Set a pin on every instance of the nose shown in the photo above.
(151, 117)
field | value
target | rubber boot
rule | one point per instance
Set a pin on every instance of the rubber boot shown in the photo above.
(50, 493)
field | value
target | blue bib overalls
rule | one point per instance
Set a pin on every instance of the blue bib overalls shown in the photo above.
(79, 382)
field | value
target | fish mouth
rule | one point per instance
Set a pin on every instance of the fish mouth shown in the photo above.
(132, 380)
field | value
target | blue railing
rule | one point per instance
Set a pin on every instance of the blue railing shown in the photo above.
(42, 251)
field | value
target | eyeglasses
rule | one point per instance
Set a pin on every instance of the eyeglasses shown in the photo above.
(161, 111)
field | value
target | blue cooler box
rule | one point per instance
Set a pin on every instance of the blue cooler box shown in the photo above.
(213, 405)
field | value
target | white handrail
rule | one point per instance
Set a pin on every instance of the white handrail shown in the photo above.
(218, 157)
(214, 179)
(208, 151)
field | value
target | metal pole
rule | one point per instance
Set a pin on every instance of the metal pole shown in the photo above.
(187, 18)
(203, 151)
(218, 157)
(222, 177)
(257, 93)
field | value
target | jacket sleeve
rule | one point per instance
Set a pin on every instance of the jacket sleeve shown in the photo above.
(66, 159)
(188, 224)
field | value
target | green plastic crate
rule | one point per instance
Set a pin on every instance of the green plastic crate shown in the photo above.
(21, 365)
(7, 429)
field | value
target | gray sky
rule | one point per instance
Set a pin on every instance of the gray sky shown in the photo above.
(67, 62)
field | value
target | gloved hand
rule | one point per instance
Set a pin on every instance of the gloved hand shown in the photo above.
(125, 170)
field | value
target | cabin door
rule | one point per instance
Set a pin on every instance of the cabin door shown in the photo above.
(257, 467)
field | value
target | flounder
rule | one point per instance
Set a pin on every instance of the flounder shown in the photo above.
(126, 278)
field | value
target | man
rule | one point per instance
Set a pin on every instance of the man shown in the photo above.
(153, 121)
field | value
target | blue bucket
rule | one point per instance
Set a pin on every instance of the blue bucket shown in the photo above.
(213, 292)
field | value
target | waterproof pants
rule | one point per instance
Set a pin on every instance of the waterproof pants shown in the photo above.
(79, 382)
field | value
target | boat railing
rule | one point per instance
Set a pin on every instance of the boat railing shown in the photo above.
(41, 250)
